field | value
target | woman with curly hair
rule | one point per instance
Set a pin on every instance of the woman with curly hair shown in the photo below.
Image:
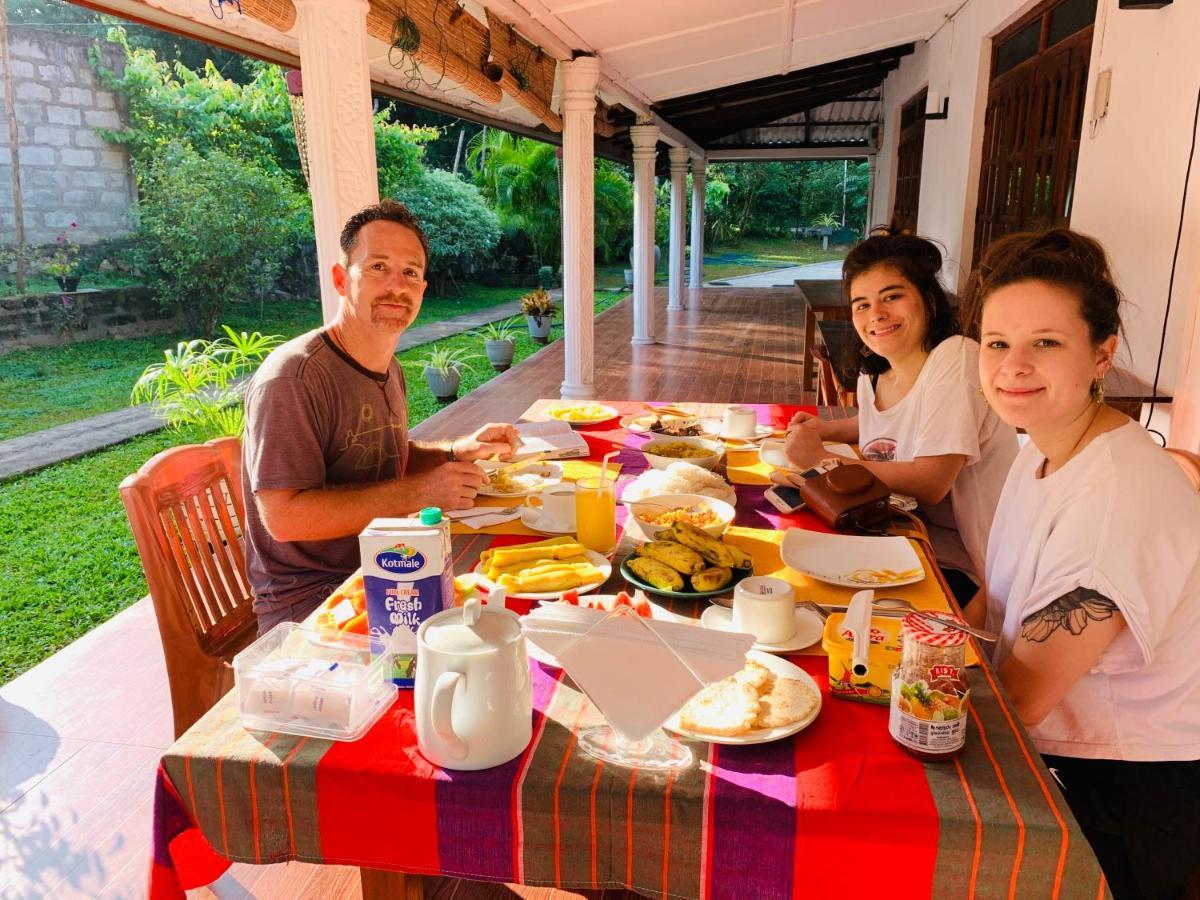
(1093, 566)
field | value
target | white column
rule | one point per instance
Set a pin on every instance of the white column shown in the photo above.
(699, 171)
(577, 105)
(679, 167)
(645, 144)
(339, 128)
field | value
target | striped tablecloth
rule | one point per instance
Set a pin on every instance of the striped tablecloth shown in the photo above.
(836, 811)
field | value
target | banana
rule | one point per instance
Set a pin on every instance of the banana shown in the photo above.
(742, 559)
(712, 579)
(677, 556)
(712, 550)
(655, 573)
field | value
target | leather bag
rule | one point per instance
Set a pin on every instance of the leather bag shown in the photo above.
(847, 497)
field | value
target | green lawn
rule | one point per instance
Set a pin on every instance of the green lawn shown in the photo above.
(67, 560)
(49, 386)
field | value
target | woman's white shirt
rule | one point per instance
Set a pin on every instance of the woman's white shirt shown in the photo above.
(1120, 519)
(945, 413)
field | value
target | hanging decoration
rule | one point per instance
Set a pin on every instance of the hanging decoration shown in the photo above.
(431, 40)
(527, 71)
(295, 88)
(279, 14)
(217, 7)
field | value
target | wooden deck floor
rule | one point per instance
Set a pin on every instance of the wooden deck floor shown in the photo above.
(81, 734)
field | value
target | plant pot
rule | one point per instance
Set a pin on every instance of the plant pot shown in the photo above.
(500, 354)
(69, 282)
(539, 328)
(443, 385)
(629, 278)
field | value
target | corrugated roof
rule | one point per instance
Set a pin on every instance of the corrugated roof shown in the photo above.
(843, 123)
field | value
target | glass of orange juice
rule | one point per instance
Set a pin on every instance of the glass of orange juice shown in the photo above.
(596, 513)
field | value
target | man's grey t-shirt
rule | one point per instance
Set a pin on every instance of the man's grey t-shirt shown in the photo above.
(315, 418)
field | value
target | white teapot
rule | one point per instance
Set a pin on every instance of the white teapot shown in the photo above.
(473, 697)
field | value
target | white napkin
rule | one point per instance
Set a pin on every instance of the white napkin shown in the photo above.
(478, 517)
(636, 670)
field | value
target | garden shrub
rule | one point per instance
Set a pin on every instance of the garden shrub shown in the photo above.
(211, 230)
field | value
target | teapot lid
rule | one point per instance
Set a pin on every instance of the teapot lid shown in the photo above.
(478, 630)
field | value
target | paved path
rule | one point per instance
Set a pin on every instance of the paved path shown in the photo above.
(831, 269)
(52, 445)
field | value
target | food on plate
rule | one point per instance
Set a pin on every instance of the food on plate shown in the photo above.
(675, 427)
(558, 576)
(680, 558)
(712, 579)
(747, 700)
(517, 483)
(638, 603)
(486, 556)
(881, 576)
(714, 550)
(679, 478)
(693, 515)
(655, 573)
(505, 557)
(557, 564)
(346, 609)
(581, 412)
(677, 450)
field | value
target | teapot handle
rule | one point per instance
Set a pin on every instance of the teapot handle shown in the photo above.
(439, 713)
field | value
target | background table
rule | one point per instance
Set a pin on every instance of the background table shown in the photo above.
(837, 810)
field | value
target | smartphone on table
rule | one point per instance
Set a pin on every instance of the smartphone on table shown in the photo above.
(785, 497)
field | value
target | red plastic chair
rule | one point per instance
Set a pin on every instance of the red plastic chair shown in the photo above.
(186, 509)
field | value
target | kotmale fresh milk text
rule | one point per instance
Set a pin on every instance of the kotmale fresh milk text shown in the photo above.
(407, 573)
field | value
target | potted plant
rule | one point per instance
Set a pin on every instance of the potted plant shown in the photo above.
(63, 262)
(538, 309)
(824, 225)
(443, 371)
(499, 343)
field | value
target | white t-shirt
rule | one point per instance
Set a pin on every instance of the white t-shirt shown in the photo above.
(1122, 520)
(945, 413)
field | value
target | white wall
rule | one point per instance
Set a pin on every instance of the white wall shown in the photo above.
(1129, 187)
(1130, 175)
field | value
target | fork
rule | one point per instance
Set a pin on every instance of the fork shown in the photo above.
(489, 511)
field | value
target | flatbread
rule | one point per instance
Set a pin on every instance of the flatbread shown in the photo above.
(756, 675)
(727, 707)
(788, 700)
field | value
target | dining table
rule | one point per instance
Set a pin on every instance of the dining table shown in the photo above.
(836, 809)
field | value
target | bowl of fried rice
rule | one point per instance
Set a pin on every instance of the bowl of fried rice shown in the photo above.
(658, 513)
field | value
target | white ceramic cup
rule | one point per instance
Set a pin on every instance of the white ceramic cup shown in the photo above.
(557, 504)
(740, 421)
(766, 608)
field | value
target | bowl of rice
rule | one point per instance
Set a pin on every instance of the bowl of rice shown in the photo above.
(697, 451)
(655, 514)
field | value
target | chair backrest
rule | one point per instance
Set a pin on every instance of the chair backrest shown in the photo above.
(1189, 462)
(186, 509)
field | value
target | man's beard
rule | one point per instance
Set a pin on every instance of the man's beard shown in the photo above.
(393, 320)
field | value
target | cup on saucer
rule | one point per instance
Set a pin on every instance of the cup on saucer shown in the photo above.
(553, 509)
(740, 422)
(766, 608)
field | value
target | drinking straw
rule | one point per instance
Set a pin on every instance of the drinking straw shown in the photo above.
(604, 470)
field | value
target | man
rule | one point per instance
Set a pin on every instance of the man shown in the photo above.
(326, 446)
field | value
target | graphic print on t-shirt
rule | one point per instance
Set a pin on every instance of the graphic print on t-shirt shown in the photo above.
(881, 449)
(370, 444)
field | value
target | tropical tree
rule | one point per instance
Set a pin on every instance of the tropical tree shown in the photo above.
(520, 176)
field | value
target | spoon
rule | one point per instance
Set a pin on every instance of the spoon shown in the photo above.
(897, 603)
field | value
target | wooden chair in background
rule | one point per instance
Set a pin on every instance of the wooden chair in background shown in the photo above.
(1189, 462)
(186, 509)
(830, 391)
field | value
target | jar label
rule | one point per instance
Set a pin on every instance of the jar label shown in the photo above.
(929, 719)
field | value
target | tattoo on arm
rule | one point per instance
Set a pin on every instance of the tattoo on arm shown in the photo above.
(1071, 612)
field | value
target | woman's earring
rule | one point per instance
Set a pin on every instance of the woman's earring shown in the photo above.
(1098, 390)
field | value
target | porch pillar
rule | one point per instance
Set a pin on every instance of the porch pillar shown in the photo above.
(679, 166)
(578, 109)
(645, 149)
(339, 129)
(699, 173)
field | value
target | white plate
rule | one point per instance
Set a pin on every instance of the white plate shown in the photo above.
(596, 559)
(809, 629)
(532, 518)
(835, 558)
(603, 413)
(772, 454)
(717, 429)
(551, 473)
(657, 613)
(782, 669)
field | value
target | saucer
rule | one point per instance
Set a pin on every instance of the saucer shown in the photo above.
(532, 518)
(809, 628)
(717, 428)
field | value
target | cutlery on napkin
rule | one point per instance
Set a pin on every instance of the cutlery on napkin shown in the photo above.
(483, 516)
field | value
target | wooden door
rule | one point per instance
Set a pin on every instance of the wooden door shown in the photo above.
(908, 163)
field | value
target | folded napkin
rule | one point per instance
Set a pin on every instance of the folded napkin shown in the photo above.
(637, 671)
(482, 516)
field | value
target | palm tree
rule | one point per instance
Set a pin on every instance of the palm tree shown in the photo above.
(520, 176)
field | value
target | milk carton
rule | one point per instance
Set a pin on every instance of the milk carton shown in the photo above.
(407, 573)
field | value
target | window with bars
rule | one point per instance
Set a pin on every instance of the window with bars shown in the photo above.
(1034, 120)
(908, 162)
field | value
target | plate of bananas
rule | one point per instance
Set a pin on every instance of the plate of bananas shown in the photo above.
(687, 563)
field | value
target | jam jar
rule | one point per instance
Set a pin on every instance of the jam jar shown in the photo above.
(929, 688)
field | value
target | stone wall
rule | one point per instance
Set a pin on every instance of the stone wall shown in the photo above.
(88, 315)
(68, 172)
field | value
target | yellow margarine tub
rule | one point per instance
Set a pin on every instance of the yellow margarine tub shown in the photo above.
(882, 658)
